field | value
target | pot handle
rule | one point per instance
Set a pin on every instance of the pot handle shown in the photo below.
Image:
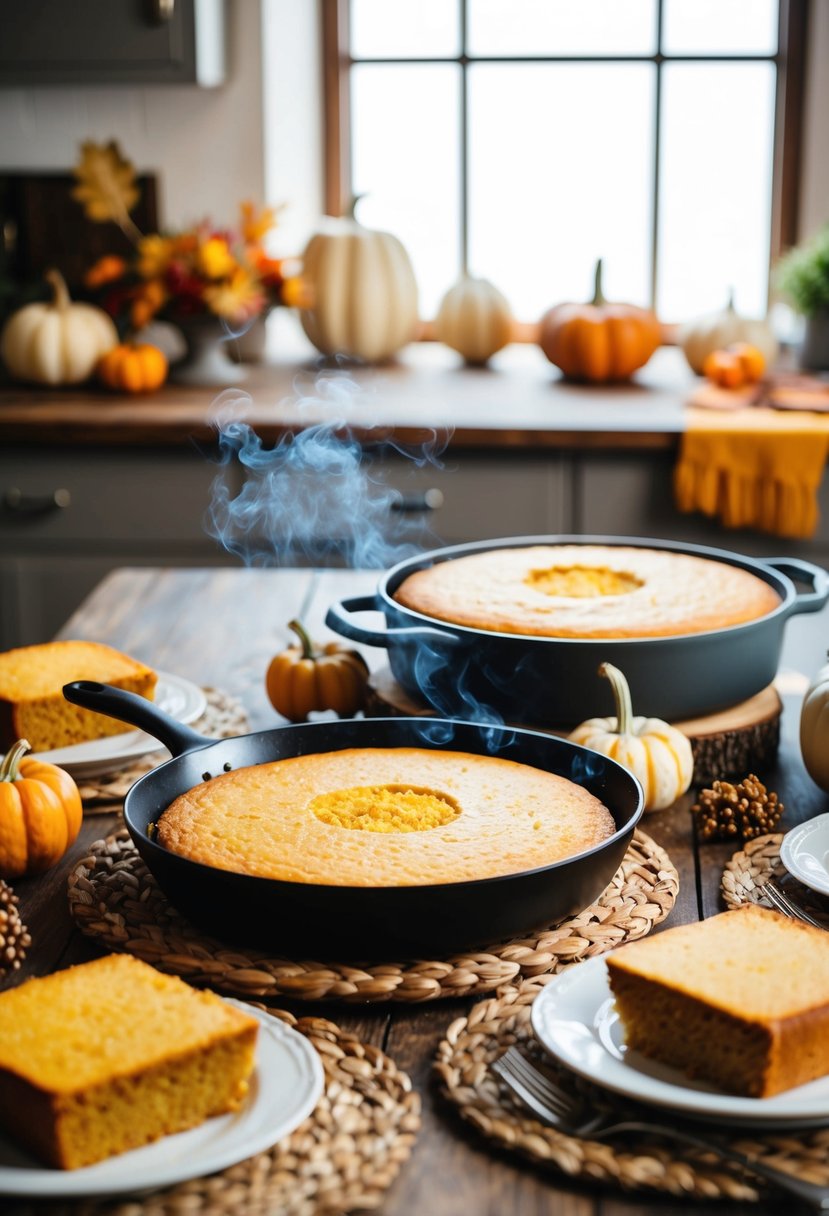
(138, 711)
(337, 618)
(809, 601)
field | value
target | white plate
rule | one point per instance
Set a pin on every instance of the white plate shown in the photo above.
(284, 1089)
(805, 853)
(178, 697)
(575, 1019)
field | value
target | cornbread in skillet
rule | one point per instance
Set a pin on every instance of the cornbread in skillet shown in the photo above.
(384, 817)
(111, 1055)
(587, 591)
(740, 1000)
(32, 705)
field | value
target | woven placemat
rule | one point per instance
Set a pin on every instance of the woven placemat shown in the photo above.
(114, 898)
(642, 1163)
(759, 859)
(223, 718)
(344, 1157)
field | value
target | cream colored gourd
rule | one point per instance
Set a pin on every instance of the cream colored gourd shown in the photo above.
(656, 753)
(718, 330)
(475, 319)
(814, 729)
(363, 289)
(56, 343)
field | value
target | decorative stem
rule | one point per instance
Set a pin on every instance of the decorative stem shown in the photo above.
(598, 294)
(730, 304)
(12, 758)
(57, 282)
(305, 641)
(621, 695)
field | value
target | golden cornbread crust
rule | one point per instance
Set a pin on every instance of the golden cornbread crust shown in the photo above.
(260, 820)
(660, 594)
(740, 1000)
(110, 1055)
(32, 705)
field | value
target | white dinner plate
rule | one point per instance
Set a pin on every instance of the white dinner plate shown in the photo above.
(575, 1019)
(285, 1087)
(178, 697)
(804, 852)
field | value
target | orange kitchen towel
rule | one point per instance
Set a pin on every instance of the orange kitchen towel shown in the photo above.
(753, 468)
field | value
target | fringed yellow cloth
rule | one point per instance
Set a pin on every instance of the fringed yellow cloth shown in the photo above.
(753, 468)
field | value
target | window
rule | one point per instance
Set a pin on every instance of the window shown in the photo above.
(523, 139)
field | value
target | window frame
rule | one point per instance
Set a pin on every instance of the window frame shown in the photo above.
(790, 62)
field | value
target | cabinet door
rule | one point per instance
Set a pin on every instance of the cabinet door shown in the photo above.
(112, 41)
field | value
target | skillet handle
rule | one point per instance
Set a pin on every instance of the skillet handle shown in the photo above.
(810, 601)
(138, 711)
(337, 618)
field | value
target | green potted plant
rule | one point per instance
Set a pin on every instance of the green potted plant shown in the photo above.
(803, 276)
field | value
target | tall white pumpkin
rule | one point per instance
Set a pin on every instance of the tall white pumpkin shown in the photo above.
(475, 319)
(364, 292)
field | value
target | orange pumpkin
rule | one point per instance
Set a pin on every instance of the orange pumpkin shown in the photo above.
(599, 341)
(40, 813)
(736, 366)
(304, 678)
(133, 368)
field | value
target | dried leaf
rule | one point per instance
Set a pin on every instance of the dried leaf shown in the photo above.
(106, 183)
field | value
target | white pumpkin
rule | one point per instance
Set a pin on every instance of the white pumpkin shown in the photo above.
(363, 289)
(56, 343)
(475, 319)
(718, 330)
(814, 729)
(659, 755)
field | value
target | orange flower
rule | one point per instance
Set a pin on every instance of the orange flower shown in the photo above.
(256, 225)
(238, 299)
(106, 270)
(297, 292)
(154, 254)
(214, 259)
(149, 298)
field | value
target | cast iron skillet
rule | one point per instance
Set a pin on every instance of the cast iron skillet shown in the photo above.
(363, 922)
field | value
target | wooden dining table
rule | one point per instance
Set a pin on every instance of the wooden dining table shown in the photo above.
(219, 628)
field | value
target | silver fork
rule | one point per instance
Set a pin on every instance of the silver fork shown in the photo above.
(782, 902)
(570, 1114)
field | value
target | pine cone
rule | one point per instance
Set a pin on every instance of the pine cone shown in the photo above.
(743, 811)
(14, 936)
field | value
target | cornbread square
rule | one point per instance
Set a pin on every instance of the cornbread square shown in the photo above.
(110, 1055)
(32, 704)
(740, 1000)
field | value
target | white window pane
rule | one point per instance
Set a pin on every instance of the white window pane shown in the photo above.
(406, 159)
(719, 27)
(400, 29)
(715, 187)
(561, 173)
(563, 27)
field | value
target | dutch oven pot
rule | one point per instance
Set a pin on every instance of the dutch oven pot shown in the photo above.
(363, 922)
(469, 673)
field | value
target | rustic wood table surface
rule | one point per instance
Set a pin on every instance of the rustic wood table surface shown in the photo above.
(220, 628)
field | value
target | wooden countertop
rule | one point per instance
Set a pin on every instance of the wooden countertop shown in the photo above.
(452, 1169)
(519, 402)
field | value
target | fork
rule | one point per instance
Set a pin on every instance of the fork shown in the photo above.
(781, 902)
(571, 1115)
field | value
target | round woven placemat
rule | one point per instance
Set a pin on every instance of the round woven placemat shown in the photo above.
(113, 897)
(223, 718)
(642, 1163)
(759, 859)
(342, 1158)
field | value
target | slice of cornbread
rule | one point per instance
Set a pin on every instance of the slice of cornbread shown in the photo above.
(740, 999)
(32, 705)
(110, 1055)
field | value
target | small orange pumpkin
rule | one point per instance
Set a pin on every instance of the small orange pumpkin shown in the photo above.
(599, 341)
(304, 678)
(133, 368)
(736, 366)
(40, 813)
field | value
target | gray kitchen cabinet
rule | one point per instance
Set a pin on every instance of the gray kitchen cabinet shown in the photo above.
(112, 42)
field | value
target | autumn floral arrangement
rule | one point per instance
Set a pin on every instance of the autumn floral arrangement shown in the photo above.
(201, 272)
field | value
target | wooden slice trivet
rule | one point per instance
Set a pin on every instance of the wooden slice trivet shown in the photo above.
(223, 718)
(742, 739)
(344, 1157)
(642, 1163)
(114, 898)
(759, 859)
